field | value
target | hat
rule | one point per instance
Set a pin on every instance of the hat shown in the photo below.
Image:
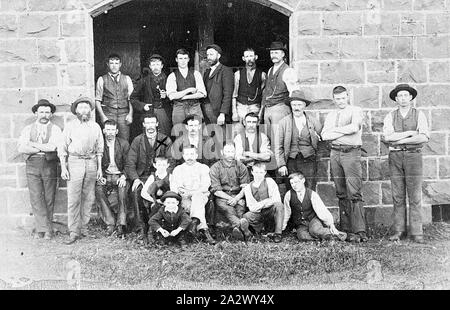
(170, 194)
(216, 47)
(79, 100)
(401, 87)
(156, 56)
(43, 103)
(277, 45)
(298, 95)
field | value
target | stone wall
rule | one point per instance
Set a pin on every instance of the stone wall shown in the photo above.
(46, 51)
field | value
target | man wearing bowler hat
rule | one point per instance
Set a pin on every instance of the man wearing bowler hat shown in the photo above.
(150, 95)
(297, 139)
(405, 131)
(38, 143)
(81, 154)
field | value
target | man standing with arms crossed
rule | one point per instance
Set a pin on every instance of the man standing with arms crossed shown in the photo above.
(343, 128)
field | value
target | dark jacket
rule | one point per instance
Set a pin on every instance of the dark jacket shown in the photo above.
(219, 88)
(121, 148)
(208, 149)
(168, 220)
(137, 163)
(142, 93)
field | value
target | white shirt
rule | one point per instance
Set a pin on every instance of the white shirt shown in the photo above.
(100, 86)
(300, 122)
(255, 206)
(190, 177)
(344, 117)
(171, 84)
(289, 77)
(55, 137)
(265, 144)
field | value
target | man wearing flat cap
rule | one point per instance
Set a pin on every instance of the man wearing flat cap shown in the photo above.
(219, 83)
(405, 131)
(150, 95)
(38, 142)
(297, 139)
(81, 154)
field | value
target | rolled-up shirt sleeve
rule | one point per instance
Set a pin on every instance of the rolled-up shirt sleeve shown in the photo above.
(388, 129)
(24, 137)
(130, 86)
(171, 84)
(99, 145)
(321, 210)
(99, 90)
(199, 83)
(63, 147)
(422, 125)
(214, 174)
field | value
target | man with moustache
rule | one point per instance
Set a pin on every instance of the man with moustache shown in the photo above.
(296, 142)
(38, 143)
(249, 83)
(114, 178)
(185, 88)
(81, 154)
(343, 128)
(139, 166)
(218, 80)
(112, 97)
(150, 94)
(406, 131)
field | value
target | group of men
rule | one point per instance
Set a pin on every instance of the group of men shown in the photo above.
(185, 167)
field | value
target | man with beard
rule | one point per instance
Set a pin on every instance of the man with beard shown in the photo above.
(218, 80)
(185, 87)
(81, 154)
(296, 143)
(143, 150)
(113, 166)
(113, 93)
(191, 181)
(38, 143)
(248, 90)
(343, 128)
(150, 94)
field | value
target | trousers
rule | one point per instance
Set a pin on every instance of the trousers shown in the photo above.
(102, 192)
(195, 206)
(267, 217)
(309, 230)
(119, 118)
(232, 214)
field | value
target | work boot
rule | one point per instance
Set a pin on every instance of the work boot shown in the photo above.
(397, 236)
(208, 237)
(48, 236)
(363, 236)
(244, 227)
(193, 228)
(120, 231)
(182, 243)
(38, 235)
(351, 237)
(110, 230)
(237, 234)
(328, 237)
(71, 239)
(417, 239)
(276, 238)
(341, 236)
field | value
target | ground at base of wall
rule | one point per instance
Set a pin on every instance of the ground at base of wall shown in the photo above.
(112, 263)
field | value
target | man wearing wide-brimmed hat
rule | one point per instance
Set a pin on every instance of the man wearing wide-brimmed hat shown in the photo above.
(406, 131)
(150, 95)
(81, 154)
(297, 139)
(38, 142)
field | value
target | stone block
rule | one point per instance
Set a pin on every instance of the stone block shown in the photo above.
(356, 5)
(378, 169)
(321, 97)
(359, 48)
(10, 77)
(435, 145)
(444, 168)
(439, 71)
(429, 4)
(438, 23)
(386, 191)
(380, 77)
(381, 23)
(439, 119)
(308, 24)
(371, 193)
(54, 5)
(4, 204)
(377, 215)
(387, 102)
(49, 51)
(412, 24)
(322, 149)
(20, 121)
(18, 51)
(342, 72)
(323, 170)
(61, 97)
(8, 183)
(8, 26)
(396, 47)
(38, 25)
(366, 96)
(77, 74)
(380, 72)
(5, 127)
(73, 25)
(377, 120)
(40, 76)
(318, 48)
(412, 71)
(15, 6)
(365, 122)
(7, 171)
(436, 192)
(321, 5)
(370, 144)
(19, 202)
(348, 23)
(433, 95)
(327, 193)
(364, 168)
(17, 101)
(433, 47)
(308, 73)
(21, 176)
(397, 5)
(11, 155)
(76, 50)
(429, 168)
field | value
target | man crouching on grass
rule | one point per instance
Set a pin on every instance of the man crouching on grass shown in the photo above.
(308, 214)
(171, 221)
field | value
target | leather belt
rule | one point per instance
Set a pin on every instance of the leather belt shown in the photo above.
(345, 148)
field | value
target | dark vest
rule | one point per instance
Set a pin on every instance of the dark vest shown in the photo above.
(276, 91)
(155, 83)
(33, 138)
(250, 93)
(301, 211)
(184, 83)
(410, 122)
(260, 193)
(301, 143)
(115, 94)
